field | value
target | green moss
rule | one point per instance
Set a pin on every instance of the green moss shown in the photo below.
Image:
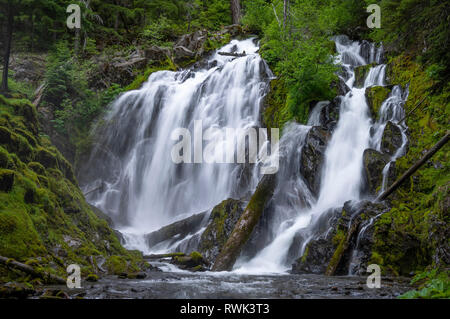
(376, 95)
(92, 278)
(410, 236)
(41, 206)
(196, 257)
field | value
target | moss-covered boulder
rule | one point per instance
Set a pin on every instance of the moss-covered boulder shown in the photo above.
(392, 139)
(194, 262)
(361, 73)
(246, 224)
(222, 220)
(374, 163)
(313, 155)
(375, 96)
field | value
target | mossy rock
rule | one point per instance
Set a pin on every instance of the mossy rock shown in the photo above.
(375, 97)
(361, 73)
(374, 163)
(92, 278)
(6, 180)
(116, 265)
(392, 139)
(37, 168)
(46, 158)
(223, 218)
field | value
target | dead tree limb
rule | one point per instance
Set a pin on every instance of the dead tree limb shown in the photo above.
(48, 278)
(237, 55)
(415, 167)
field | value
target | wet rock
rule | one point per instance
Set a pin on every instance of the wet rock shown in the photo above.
(222, 220)
(92, 278)
(182, 228)
(361, 73)
(392, 139)
(340, 86)
(194, 262)
(14, 290)
(375, 96)
(374, 163)
(313, 155)
(331, 251)
(329, 115)
(246, 224)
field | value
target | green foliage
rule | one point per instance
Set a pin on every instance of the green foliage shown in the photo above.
(433, 285)
(299, 51)
(420, 28)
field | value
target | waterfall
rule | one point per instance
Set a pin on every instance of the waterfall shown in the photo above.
(342, 172)
(130, 174)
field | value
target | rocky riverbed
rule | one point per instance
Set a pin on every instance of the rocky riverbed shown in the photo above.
(168, 285)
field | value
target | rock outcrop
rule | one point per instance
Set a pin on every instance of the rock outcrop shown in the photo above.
(222, 220)
(313, 155)
(375, 97)
(374, 163)
(392, 139)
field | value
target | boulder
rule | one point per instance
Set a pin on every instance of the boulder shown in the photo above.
(181, 54)
(222, 220)
(375, 96)
(194, 262)
(246, 224)
(313, 155)
(329, 115)
(155, 53)
(374, 163)
(392, 139)
(361, 73)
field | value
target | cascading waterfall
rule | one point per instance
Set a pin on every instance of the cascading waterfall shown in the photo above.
(130, 174)
(342, 173)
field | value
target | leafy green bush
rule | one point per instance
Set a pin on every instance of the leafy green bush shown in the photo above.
(434, 285)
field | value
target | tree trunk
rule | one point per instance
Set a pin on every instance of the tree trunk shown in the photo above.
(48, 278)
(8, 40)
(415, 167)
(236, 11)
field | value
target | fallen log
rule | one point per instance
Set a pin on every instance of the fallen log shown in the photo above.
(236, 55)
(160, 256)
(245, 225)
(415, 167)
(48, 278)
(412, 111)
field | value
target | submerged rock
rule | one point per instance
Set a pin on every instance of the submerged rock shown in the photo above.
(313, 155)
(222, 220)
(374, 163)
(392, 139)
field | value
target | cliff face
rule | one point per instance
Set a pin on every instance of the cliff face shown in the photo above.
(44, 218)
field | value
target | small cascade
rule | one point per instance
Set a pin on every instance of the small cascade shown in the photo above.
(342, 173)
